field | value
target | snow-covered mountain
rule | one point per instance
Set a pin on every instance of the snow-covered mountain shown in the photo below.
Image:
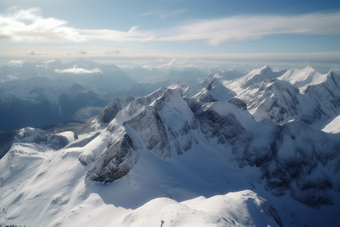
(151, 159)
(279, 101)
(253, 77)
(214, 91)
(327, 94)
(205, 89)
(169, 126)
(32, 135)
(97, 77)
(303, 78)
(39, 101)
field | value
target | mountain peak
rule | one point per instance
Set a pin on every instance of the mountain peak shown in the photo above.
(265, 69)
(330, 74)
(308, 68)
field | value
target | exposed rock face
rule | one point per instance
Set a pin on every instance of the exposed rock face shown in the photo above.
(238, 103)
(115, 162)
(223, 127)
(147, 123)
(110, 111)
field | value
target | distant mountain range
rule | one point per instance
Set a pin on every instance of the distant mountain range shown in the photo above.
(40, 102)
(96, 77)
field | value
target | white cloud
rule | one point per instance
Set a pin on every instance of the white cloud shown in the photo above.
(81, 52)
(76, 70)
(49, 61)
(31, 52)
(321, 58)
(174, 63)
(28, 25)
(16, 62)
(112, 52)
(222, 30)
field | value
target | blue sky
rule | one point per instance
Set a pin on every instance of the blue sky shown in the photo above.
(132, 30)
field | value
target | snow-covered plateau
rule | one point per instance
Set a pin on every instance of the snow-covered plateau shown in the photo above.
(253, 151)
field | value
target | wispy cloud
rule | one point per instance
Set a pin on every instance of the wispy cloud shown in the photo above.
(163, 15)
(251, 27)
(32, 52)
(76, 70)
(28, 25)
(175, 13)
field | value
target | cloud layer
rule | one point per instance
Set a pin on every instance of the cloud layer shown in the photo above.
(251, 27)
(29, 25)
(76, 70)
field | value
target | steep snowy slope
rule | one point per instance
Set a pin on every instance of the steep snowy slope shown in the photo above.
(272, 99)
(214, 91)
(40, 101)
(279, 101)
(253, 77)
(327, 94)
(204, 89)
(303, 78)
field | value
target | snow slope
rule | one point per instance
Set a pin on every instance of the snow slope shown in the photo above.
(214, 91)
(279, 101)
(253, 77)
(65, 201)
(333, 126)
(273, 100)
(303, 78)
